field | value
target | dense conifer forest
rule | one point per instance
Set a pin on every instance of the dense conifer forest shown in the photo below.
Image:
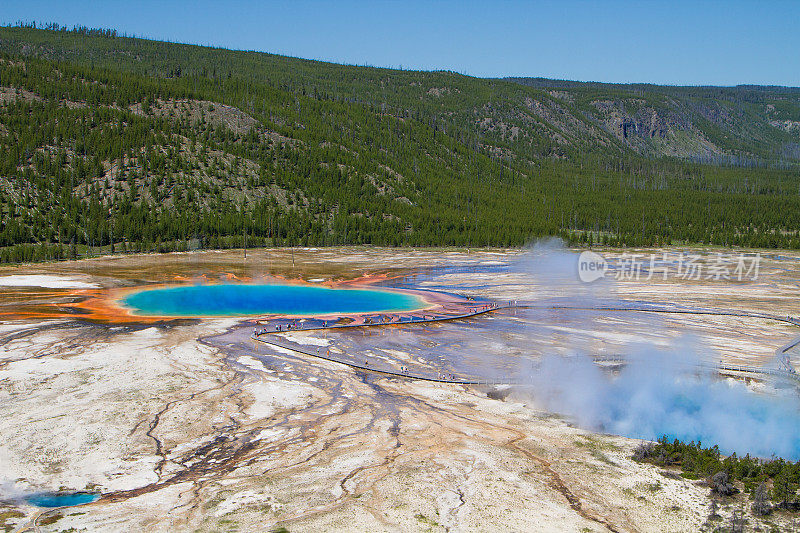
(112, 143)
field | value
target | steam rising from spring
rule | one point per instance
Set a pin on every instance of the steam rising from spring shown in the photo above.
(660, 391)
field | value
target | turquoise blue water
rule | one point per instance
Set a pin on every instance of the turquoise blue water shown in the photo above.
(54, 499)
(244, 300)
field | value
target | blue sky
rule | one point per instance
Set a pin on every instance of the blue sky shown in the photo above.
(675, 42)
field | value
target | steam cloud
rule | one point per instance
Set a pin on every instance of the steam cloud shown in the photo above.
(659, 392)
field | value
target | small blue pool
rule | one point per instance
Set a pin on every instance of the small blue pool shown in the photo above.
(245, 300)
(60, 499)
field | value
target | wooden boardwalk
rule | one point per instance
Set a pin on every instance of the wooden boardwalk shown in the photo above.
(266, 336)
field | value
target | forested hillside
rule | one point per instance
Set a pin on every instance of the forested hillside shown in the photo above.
(111, 142)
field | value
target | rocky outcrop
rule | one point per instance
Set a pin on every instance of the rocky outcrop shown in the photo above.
(653, 130)
(790, 126)
(645, 122)
(198, 110)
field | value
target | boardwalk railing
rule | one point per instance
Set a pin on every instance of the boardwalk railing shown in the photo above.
(425, 318)
(786, 370)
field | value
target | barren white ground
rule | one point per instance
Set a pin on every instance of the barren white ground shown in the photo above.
(180, 435)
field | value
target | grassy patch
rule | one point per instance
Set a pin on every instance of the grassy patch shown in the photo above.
(596, 448)
(595, 443)
(600, 456)
(7, 515)
(52, 519)
(425, 520)
(227, 524)
(653, 487)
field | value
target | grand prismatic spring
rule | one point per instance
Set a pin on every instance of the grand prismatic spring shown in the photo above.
(263, 299)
